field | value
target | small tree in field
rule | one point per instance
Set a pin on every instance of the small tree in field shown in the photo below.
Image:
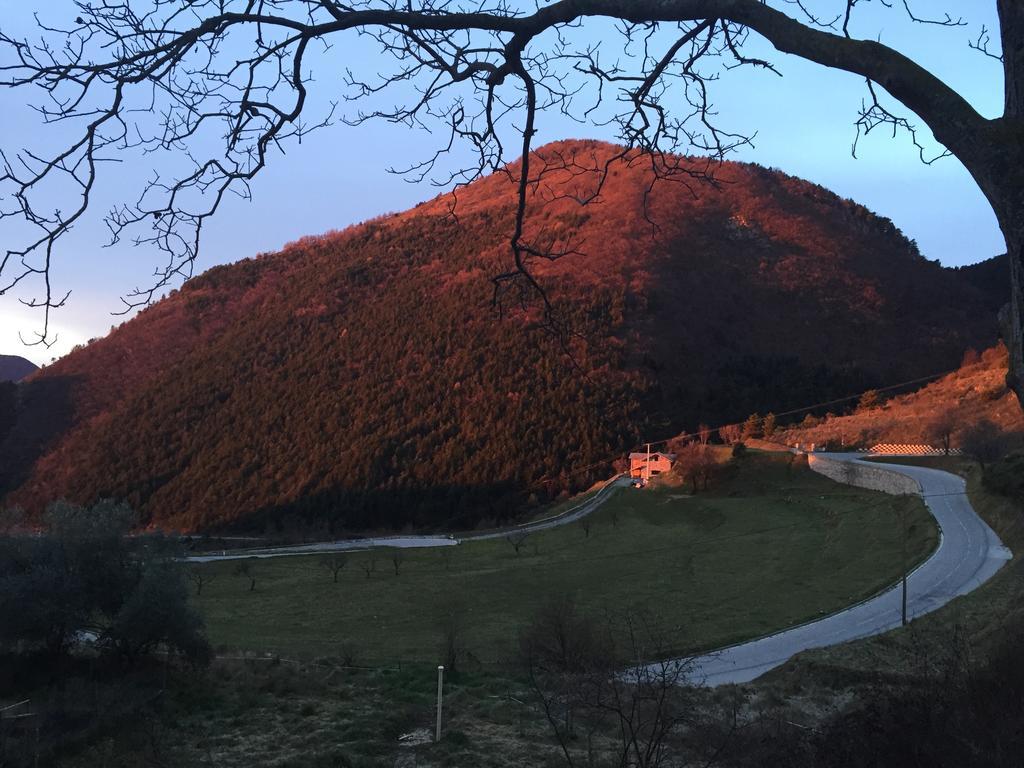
(768, 426)
(334, 563)
(247, 569)
(941, 428)
(985, 441)
(369, 563)
(731, 433)
(695, 464)
(704, 434)
(200, 578)
(517, 539)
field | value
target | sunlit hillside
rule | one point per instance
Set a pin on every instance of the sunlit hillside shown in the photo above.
(365, 379)
(974, 394)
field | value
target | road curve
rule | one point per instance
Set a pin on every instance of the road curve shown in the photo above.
(413, 542)
(969, 553)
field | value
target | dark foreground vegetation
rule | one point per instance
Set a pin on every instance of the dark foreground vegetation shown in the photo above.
(557, 704)
(84, 606)
(947, 691)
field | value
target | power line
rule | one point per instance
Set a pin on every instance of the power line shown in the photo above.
(824, 404)
(717, 430)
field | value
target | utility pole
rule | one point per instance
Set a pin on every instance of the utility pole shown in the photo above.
(903, 522)
(440, 683)
(647, 466)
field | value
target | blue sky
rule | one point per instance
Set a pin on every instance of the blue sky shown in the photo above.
(803, 123)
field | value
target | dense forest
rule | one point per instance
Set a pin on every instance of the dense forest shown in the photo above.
(365, 379)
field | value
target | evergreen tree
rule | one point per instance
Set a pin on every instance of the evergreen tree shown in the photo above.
(752, 427)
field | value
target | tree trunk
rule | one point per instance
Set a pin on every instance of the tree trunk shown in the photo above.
(995, 158)
(1012, 316)
(1010, 209)
(1002, 181)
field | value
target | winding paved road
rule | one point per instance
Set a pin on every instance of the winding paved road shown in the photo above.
(969, 554)
(412, 542)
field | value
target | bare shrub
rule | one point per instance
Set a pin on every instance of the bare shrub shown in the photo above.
(247, 569)
(517, 539)
(334, 563)
(597, 676)
(730, 433)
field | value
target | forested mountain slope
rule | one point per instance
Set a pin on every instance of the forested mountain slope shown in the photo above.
(363, 379)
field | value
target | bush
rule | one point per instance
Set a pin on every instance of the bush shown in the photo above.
(1006, 476)
(986, 442)
(86, 575)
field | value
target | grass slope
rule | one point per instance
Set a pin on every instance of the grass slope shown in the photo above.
(772, 545)
(244, 714)
(974, 392)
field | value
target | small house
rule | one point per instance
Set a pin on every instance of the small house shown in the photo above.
(645, 465)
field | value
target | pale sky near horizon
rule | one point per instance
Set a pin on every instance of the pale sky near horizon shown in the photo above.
(803, 122)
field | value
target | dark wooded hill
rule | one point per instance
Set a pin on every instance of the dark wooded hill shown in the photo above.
(14, 368)
(363, 379)
(990, 277)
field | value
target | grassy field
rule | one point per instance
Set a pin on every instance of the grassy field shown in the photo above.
(771, 545)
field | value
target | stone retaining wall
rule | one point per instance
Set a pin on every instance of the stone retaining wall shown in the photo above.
(861, 475)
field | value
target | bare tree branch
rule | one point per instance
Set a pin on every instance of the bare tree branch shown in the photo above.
(165, 79)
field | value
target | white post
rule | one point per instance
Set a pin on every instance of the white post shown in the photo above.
(440, 683)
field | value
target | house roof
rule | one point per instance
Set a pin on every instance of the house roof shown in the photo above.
(654, 455)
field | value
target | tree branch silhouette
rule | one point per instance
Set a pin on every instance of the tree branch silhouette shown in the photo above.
(164, 79)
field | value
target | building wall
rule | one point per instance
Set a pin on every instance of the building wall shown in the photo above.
(658, 464)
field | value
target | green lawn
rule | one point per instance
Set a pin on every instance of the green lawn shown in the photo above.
(771, 546)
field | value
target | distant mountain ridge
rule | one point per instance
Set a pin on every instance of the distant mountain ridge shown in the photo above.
(363, 379)
(15, 368)
(990, 277)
